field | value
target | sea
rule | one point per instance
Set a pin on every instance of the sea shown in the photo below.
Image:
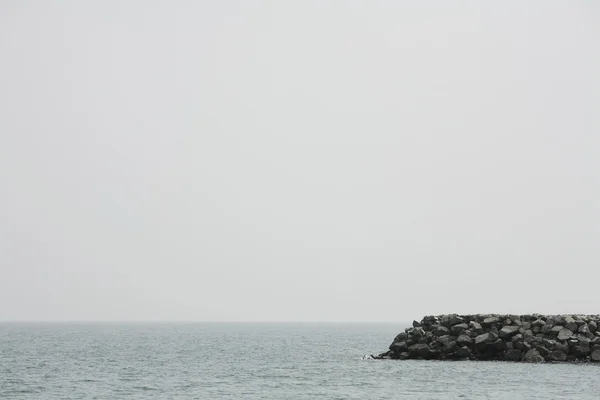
(256, 361)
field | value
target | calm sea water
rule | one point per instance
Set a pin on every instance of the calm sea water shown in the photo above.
(255, 361)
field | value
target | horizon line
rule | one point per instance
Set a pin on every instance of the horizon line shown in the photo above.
(204, 321)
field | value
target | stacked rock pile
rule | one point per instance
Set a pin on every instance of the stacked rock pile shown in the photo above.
(530, 338)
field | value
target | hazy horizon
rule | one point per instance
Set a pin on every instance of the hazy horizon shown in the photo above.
(367, 161)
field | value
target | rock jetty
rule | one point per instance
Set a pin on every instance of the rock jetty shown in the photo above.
(529, 338)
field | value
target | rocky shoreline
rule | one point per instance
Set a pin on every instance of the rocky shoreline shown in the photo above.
(528, 338)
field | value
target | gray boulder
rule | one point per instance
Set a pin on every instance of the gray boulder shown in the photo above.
(499, 345)
(440, 330)
(595, 356)
(557, 356)
(515, 319)
(513, 355)
(445, 340)
(451, 320)
(571, 324)
(543, 351)
(399, 347)
(560, 346)
(418, 332)
(490, 321)
(508, 331)
(464, 340)
(428, 337)
(538, 323)
(485, 337)
(555, 330)
(581, 348)
(419, 350)
(459, 328)
(533, 356)
(546, 329)
(454, 320)
(572, 327)
(523, 346)
(475, 326)
(429, 320)
(463, 352)
(517, 338)
(565, 334)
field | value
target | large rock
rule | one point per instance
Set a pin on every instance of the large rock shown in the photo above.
(555, 330)
(459, 328)
(401, 336)
(418, 333)
(490, 321)
(429, 320)
(571, 324)
(517, 338)
(440, 330)
(546, 329)
(542, 350)
(515, 319)
(513, 355)
(485, 337)
(533, 356)
(557, 356)
(428, 337)
(523, 346)
(463, 352)
(475, 326)
(538, 323)
(508, 331)
(580, 348)
(446, 340)
(565, 334)
(595, 356)
(464, 340)
(399, 347)
(560, 346)
(499, 345)
(451, 320)
(419, 350)
(584, 329)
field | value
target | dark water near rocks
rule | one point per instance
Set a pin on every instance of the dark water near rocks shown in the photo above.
(255, 361)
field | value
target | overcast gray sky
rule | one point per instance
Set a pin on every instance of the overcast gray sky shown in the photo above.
(298, 160)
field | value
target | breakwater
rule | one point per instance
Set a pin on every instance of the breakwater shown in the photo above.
(529, 338)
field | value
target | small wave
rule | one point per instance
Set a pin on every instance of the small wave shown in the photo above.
(144, 388)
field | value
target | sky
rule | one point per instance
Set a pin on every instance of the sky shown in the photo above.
(305, 160)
